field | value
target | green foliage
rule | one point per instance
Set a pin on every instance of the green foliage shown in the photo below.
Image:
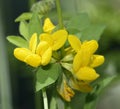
(18, 41)
(92, 97)
(67, 66)
(81, 26)
(46, 76)
(35, 25)
(23, 28)
(78, 22)
(24, 16)
(92, 32)
(26, 30)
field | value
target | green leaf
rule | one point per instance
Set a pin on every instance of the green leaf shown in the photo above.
(78, 22)
(35, 25)
(23, 28)
(24, 16)
(18, 41)
(92, 98)
(92, 32)
(47, 76)
(67, 66)
(104, 83)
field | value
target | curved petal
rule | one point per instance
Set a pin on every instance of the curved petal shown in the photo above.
(81, 59)
(77, 62)
(46, 37)
(46, 57)
(96, 60)
(33, 42)
(21, 53)
(42, 47)
(48, 25)
(87, 74)
(74, 42)
(90, 46)
(33, 60)
(59, 38)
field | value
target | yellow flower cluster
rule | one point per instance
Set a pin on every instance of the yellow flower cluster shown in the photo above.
(40, 53)
(83, 58)
(85, 61)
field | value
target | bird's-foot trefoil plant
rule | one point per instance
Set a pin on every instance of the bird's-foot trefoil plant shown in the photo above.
(63, 54)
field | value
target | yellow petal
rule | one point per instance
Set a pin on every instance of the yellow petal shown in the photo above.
(42, 47)
(96, 60)
(33, 60)
(84, 87)
(83, 56)
(33, 42)
(65, 91)
(59, 38)
(48, 25)
(80, 86)
(77, 62)
(81, 59)
(90, 46)
(74, 42)
(21, 53)
(45, 51)
(46, 57)
(87, 74)
(46, 37)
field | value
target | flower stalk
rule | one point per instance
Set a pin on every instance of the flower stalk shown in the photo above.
(45, 100)
(59, 12)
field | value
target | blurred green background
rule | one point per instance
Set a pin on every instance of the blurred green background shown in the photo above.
(99, 11)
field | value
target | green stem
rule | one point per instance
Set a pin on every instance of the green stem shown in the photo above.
(45, 100)
(59, 11)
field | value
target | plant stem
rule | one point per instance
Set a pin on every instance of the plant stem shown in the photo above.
(45, 100)
(59, 12)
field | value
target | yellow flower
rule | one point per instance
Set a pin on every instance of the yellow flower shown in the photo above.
(48, 26)
(85, 60)
(65, 91)
(80, 85)
(86, 74)
(74, 42)
(35, 55)
(55, 40)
